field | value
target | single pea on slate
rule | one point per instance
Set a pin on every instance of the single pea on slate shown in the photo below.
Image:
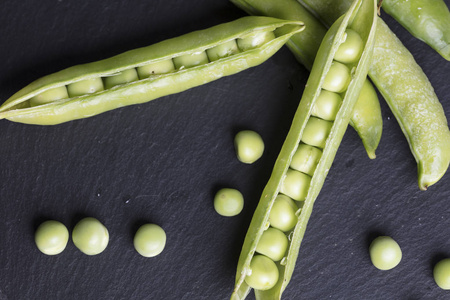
(249, 146)
(441, 274)
(228, 202)
(385, 253)
(149, 240)
(51, 237)
(90, 236)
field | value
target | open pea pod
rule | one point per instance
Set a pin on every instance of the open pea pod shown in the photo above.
(267, 259)
(147, 73)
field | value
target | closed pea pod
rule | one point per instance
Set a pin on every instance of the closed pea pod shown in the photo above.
(165, 68)
(361, 17)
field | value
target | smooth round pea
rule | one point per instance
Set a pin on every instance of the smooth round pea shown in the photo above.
(255, 39)
(90, 236)
(441, 274)
(327, 105)
(273, 244)
(121, 78)
(282, 215)
(84, 87)
(296, 185)
(385, 253)
(306, 158)
(264, 273)
(337, 78)
(149, 240)
(160, 67)
(228, 202)
(51, 237)
(190, 60)
(249, 146)
(350, 50)
(49, 96)
(316, 132)
(223, 50)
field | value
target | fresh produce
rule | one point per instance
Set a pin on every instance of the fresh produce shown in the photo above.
(385, 253)
(150, 240)
(441, 273)
(228, 202)
(51, 237)
(90, 236)
(249, 146)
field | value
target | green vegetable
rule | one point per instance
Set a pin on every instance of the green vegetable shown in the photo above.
(228, 202)
(366, 116)
(441, 274)
(264, 274)
(51, 237)
(408, 93)
(249, 146)
(385, 253)
(282, 215)
(273, 244)
(168, 67)
(286, 181)
(427, 20)
(149, 240)
(90, 236)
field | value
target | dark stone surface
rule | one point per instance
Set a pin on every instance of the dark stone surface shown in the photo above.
(163, 161)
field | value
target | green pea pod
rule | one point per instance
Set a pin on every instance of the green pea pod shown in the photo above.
(366, 116)
(361, 17)
(407, 91)
(196, 58)
(429, 21)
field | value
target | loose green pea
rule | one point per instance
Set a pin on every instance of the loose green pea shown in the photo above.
(273, 244)
(337, 78)
(327, 105)
(441, 274)
(223, 50)
(296, 185)
(150, 240)
(306, 159)
(84, 87)
(385, 253)
(90, 236)
(49, 96)
(160, 67)
(255, 39)
(125, 76)
(282, 215)
(228, 202)
(264, 273)
(249, 146)
(350, 50)
(316, 132)
(190, 60)
(51, 237)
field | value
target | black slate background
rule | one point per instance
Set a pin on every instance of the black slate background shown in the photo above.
(163, 161)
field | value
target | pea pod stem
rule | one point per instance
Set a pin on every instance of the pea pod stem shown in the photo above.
(408, 93)
(361, 17)
(183, 48)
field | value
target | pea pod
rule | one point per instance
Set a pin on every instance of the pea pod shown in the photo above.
(292, 181)
(144, 74)
(429, 21)
(366, 116)
(409, 94)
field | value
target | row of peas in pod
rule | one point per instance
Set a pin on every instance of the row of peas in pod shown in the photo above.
(91, 237)
(274, 242)
(97, 84)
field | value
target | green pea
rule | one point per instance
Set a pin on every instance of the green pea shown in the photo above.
(223, 50)
(51, 237)
(49, 96)
(264, 273)
(350, 50)
(190, 60)
(149, 240)
(255, 39)
(249, 146)
(90, 236)
(228, 202)
(441, 274)
(327, 105)
(83, 87)
(296, 185)
(385, 253)
(160, 67)
(316, 132)
(273, 244)
(306, 159)
(124, 76)
(282, 215)
(337, 78)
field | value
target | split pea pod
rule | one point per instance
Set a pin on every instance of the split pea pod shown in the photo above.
(407, 91)
(429, 21)
(366, 116)
(267, 259)
(147, 73)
